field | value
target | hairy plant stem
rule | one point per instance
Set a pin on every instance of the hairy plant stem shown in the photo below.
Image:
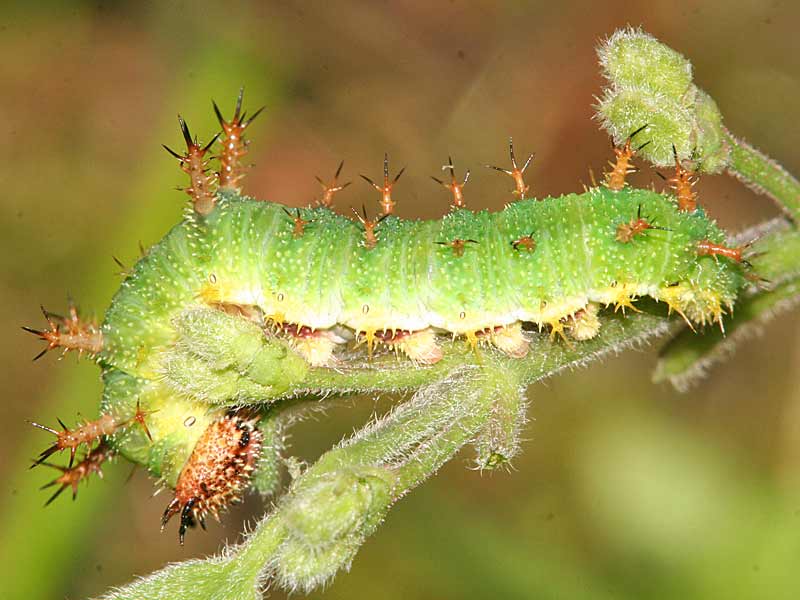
(401, 450)
(762, 174)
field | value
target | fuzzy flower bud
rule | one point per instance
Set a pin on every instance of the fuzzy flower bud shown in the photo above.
(635, 59)
(650, 83)
(327, 519)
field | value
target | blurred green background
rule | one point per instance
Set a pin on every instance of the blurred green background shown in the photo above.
(624, 489)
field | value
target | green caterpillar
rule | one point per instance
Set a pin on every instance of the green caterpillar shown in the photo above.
(327, 286)
(243, 300)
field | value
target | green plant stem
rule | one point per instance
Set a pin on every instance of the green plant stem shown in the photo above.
(762, 174)
(409, 445)
(776, 257)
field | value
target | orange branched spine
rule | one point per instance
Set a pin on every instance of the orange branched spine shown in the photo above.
(329, 189)
(682, 182)
(709, 248)
(299, 223)
(626, 232)
(457, 189)
(370, 237)
(458, 245)
(621, 167)
(520, 187)
(526, 242)
(72, 476)
(386, 202)
(87, 433)
(195, 165)
(69, 333)
(234, 146)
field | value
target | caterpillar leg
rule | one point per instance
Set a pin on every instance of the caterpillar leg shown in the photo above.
(583, 324)
(316, 347)
(510, 339)
(420, 346)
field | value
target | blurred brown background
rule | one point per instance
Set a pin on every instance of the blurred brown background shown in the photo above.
(624, 489)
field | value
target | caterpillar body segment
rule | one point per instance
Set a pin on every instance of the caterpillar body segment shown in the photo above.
(162, 283)
(246, 254)
(175, 428)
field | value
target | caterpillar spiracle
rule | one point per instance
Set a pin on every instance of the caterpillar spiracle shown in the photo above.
(244, 298)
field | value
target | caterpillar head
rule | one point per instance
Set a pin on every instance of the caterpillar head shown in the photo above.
(217, 471)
